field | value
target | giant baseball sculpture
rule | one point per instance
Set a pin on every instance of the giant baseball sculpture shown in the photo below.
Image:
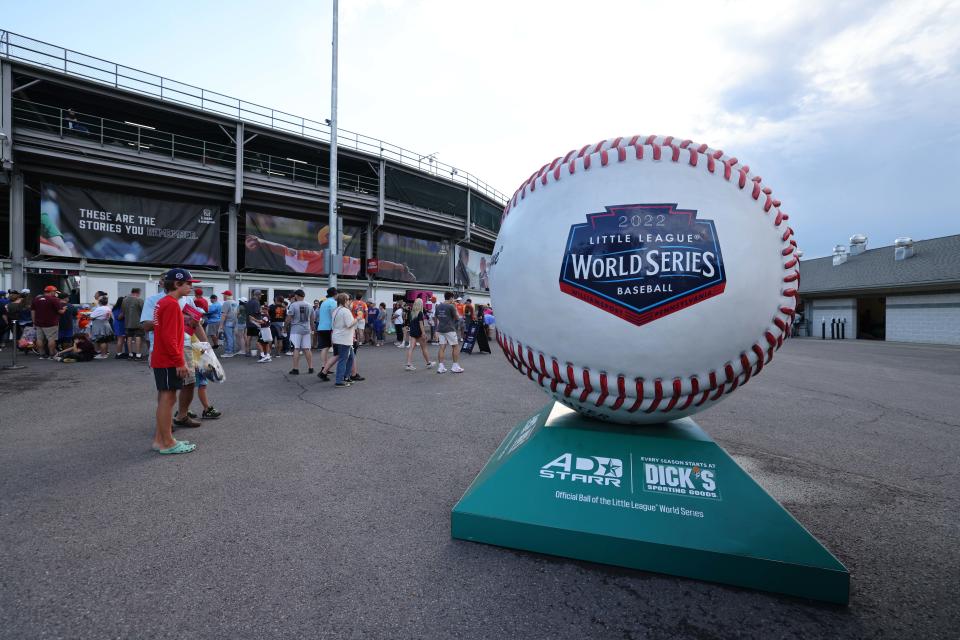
(643, 278)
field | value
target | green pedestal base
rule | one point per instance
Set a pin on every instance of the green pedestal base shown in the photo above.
(662, 498)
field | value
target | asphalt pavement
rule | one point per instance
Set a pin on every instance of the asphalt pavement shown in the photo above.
(314, 512)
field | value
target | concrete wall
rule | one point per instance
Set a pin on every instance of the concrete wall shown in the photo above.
(925, 318)
(829, 308)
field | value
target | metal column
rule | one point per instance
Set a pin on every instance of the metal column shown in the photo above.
(382, 196)
(16, 229)
(232, 239)
(6, 116)
(332, 249)
(467, 238)
(238, 166)
(232, 246)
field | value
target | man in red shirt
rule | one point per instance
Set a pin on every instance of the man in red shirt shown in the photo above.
(167, 359)
(45, 311)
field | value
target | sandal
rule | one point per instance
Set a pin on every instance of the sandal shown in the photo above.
(156, 448)
(180, 447)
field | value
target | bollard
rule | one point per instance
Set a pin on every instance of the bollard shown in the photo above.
(843, 329)
(833, 328)
(14, 365)
(823, 329)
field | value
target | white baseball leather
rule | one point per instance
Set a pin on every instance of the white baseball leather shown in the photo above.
(605, 366)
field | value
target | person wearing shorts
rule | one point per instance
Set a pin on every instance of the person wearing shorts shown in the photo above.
(45, 312)
(167, 359)
(325, 333)
(447, 329)
(253, 320)
(298, 328)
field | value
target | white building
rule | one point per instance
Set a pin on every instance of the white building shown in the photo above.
(909, 292)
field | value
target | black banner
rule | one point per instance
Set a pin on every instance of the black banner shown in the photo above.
(77, 222)
(407, 259)
(278, 243)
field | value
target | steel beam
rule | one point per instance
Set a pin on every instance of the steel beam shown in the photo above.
(382, 197)
(238, 169)
(6, 116)
(232, 246)
(16, 230)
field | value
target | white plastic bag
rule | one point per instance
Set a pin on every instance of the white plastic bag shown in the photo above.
(210, 367)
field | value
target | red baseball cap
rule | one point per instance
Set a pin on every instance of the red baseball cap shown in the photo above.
(228, 293)
(49, 288)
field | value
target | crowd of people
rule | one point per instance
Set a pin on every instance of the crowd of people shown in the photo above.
(179, 325)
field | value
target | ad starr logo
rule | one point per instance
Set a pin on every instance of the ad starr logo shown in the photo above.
(587, 470)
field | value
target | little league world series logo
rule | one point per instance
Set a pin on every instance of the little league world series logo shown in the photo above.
(642, 262)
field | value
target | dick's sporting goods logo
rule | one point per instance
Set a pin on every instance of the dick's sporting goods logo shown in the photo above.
(587, 470)
(680, 477)
(641, 262)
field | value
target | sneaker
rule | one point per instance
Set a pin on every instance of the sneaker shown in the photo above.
(265, 359)
(441, 368)
(310, 371)
(226, 355)
(323, 377)
(190, 414)
(186, 423)
(139, 357)
(456, 368)
(100, 356)
(357, 378)
(410, 367)
(288, 353)
(58, 358)
(430, 364)
(399, 345)
(42, 358)
(69, 360)
(294, 372)
(341, 385)
(210, 413)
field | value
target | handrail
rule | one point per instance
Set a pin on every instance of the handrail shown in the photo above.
(84, 126)
(14, 46)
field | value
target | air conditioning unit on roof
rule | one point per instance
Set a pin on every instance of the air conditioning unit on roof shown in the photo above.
(839, 255)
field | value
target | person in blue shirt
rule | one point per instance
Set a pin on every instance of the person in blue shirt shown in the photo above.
(325, 333)
(214, 316)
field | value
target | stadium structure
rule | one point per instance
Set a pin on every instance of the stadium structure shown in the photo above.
(111, 174)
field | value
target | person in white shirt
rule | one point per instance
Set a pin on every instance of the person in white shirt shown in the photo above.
(344, 325)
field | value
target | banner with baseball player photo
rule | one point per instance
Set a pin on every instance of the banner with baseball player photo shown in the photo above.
(77, 222)
(291, 245)
(406, 259)
(471, 270)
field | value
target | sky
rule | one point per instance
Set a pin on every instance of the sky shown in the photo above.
(849, 110)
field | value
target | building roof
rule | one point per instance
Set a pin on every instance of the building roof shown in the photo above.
(934, 265)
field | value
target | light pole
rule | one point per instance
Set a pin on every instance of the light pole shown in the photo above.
(332, 247)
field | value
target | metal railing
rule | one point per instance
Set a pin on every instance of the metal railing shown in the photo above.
(14, 46)
(145, 139)
(282, 168)
(126, 135)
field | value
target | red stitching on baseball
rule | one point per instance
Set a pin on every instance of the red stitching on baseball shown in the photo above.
(603, 389)
(657, 395)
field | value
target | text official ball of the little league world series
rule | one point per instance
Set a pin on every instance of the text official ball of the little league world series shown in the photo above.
(644, 278)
